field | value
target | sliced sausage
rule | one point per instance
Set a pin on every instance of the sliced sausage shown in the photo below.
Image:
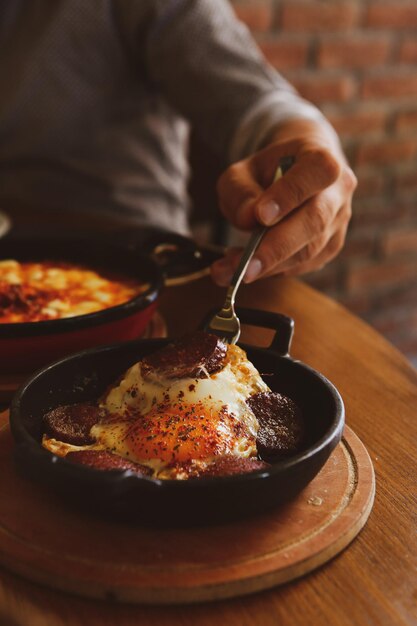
(229, 465)
(281, 425)
(72, 423)
(192, 356)
(104, 460)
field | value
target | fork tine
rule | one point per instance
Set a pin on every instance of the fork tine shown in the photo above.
(225, 324)
(226, 328)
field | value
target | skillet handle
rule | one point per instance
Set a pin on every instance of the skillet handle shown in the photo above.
(180, 259)
(283, 325)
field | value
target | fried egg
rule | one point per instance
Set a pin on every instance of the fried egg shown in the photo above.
(162, 422)
(171, 424)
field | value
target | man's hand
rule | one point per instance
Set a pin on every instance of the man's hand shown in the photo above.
(308, 209)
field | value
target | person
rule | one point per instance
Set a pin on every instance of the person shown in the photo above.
(97, 101)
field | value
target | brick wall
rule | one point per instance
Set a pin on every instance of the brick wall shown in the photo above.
(357, 60)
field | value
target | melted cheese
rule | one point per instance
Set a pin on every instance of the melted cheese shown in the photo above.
(32, 292)
(168, 424)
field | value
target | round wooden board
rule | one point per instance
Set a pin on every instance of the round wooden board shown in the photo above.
(49, 542)
(10, 383)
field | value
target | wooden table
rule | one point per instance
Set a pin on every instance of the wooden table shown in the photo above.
(374, 581)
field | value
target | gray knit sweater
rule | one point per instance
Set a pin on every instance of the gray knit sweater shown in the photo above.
(97, 96)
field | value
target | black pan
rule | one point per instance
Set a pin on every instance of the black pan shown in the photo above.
(85, 376)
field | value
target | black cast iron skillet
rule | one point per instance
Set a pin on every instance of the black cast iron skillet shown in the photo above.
(86, 375)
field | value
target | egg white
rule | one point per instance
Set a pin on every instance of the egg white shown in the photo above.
(232, 385)
(140, 393)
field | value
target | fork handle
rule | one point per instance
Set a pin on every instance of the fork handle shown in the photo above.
(252, 244)
(245, 259)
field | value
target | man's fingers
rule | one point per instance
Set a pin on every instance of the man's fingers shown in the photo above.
(330, 250)
(313, 171)
(238, 191)
(301, 236)
(312, 220)
(308, 209)
(297, 239)
(248, 195)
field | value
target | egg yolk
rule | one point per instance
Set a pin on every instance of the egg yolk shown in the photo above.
(181, 433)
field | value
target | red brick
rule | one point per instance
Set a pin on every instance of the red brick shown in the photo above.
(358, 245)
(408, 51)
(318, 16)
(380, 275)
(356, 303)
(257, 16)
(400, 241)
(391, 84)
(398, 298)
(406, 120)
(408, 346)
(386, 325)
(395, 316)
(387, 151)
(390, 325)
(405, 206)
(286, 54)
(399, 326)
(377, 213)
(405, 181)
(319, 88)
(358, 122)
(327, 279)
(394, 14)
(354, 51)
(370, 184)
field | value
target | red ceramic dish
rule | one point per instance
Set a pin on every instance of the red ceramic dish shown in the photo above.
(27, 346)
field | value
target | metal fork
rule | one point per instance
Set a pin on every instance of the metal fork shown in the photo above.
(226, 324)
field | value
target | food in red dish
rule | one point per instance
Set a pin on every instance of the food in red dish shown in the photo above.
(193, 409)
(49, 290)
